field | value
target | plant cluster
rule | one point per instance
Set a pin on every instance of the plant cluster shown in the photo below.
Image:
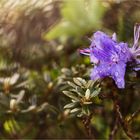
(48, 89)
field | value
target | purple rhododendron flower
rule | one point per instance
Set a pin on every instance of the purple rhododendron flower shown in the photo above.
(111, 57)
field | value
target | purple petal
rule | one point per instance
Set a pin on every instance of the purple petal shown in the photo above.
(95, 74)
(93, 59)
(118, 73)
(103, 41)
(85, 51)
(115, 71)
(114, 37)
(102, 46)
(100, 71)
(123, 52)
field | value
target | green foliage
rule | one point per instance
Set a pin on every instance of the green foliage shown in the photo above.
(78, 18)
(11, 126)
(81, 93)
(39, 61)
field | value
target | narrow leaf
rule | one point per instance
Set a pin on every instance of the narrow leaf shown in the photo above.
(71, 105)
(79, 81)
(72, 84)
(95, 93)
(70, 95)
(75, 110)
(90, 83)
(79, 93)
(14, 78)
(87, 94)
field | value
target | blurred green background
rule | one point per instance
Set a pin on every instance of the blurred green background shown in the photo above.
(41, 38)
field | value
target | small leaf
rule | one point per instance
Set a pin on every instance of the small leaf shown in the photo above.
(85, 110)
(73, 101)
(30, 108)
(76, 81)
(13, 104)
(80, 115)
(79, 81)
(42, 107)
(83, 81)
(90, 83)
(97, 86)
(22, 84)
(87, 103)
(14, 78)
(76, 91)
(11, 126)
(75, 110)
(87, 94)
(20, 96)
(70, 95)
(95, 93)
(71, 105)
(72, 84)
(7, 126)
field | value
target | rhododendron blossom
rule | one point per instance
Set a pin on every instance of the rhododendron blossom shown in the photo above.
(111, 57)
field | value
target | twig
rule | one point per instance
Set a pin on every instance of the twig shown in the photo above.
(123, 123)
(114, 129)
(133, 115)
(86, 121)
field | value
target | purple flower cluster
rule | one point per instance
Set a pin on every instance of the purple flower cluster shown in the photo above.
(111, 57)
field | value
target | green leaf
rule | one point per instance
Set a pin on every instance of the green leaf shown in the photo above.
(71, 95)
(20, 96)
(22, 84)
(11, 126)
(76, 81)
(87, 94)
(80, 93)
(13, 104)
(71, 105)
(90, 84)
(75, 110)
(29, 109)
(14, 78)
(95, 93)
(72, 84)
(42, 107)
(87, 103)
(85, 110)
(79, 81)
